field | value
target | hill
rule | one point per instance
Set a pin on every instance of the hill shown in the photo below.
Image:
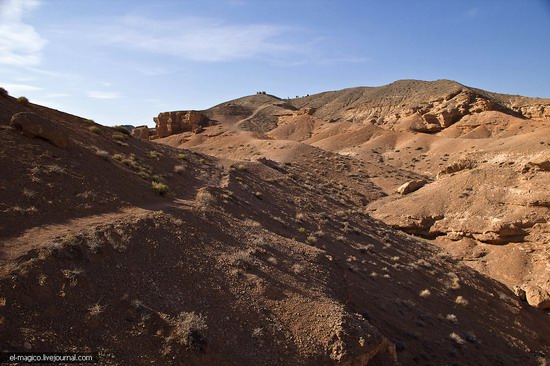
(255, 247)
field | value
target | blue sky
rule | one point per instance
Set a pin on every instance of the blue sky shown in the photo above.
(124, 61)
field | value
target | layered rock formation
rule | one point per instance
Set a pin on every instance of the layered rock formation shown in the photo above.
(169, 123)
(141, 132)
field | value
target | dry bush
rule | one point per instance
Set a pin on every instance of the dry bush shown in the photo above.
(94, 129)
(154, 154)
(425, 293)
(95, 309)
(160, 188)
(102, 154)
(461, 301)
(117, 136)
(122, 130)
(189, 330)
(23, 100)
(243, 259)
(179, 169)
(205, 198)
(457, 338)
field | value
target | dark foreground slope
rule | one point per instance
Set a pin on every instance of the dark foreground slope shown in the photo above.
(237, 264)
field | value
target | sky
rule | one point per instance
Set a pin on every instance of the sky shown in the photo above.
(124, 61)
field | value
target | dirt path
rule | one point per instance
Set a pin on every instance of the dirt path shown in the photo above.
(256, 111)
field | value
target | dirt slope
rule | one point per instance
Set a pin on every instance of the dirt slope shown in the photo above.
(272, 261)
(490, 147)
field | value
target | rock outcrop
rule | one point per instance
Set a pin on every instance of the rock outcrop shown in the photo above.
(170, 123)
(538, 111)
(34, 125)
(307, 111)
(411, 186)
(141, 132)
(537, 297)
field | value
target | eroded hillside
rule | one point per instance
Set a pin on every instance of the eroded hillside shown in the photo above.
(481, 157)
(255, 247)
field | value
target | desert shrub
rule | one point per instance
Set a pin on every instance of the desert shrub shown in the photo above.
(189, 329)
(259, 195)
(297, 268)
(129, 163)
(243, 259)
(179, 169)
(182, 156)
(205, 198)
(94, 129)
(23, 100)
(95, 309)
(154, 154)
(119, 136)
(3, 92)
(425, 293)
(144, 175)
(457, 338)
(102, 154)
(311, 239)
(461, 301)
(160, 188)
(302, 230)
(122, 129)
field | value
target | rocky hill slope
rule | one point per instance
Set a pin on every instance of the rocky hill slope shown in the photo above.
(265, 254)
(482, 158)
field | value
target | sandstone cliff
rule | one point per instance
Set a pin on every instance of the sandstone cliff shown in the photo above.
(169, 123)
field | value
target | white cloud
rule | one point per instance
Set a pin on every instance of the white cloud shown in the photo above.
(57, 95)
(198, 39)
(102, 94)
(19, 88)
(20, 44)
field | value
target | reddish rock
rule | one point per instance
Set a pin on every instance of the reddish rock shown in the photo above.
(537, 297)
(170, 123)
(34, 125)
(411, 186)
(141, 132)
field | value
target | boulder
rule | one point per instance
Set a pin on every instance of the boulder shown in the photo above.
(34, 125)
(537, 297)
(411, 186)
(141, 132)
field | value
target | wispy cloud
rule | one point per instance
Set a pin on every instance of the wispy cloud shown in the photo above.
(102, 94)
(57, 95)
(197, 39)
(19, 88)
(20, 44)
